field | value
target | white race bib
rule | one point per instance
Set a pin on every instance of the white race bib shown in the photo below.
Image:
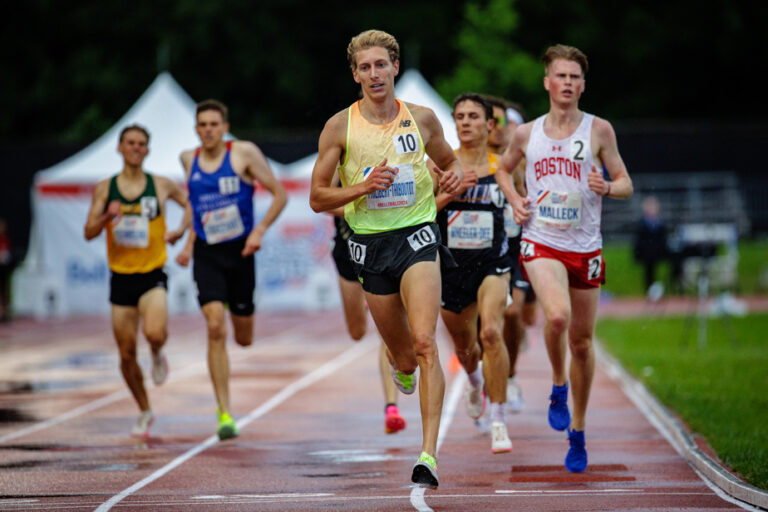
(229, 185)
(222, 224)
(561, 210)
(356, 252)
(131, 231)
(402, 192)
(406, 143)
(468, 229)
(421, 238)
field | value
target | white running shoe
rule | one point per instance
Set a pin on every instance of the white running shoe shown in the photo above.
(474, 398)
(515, 402)
(159, 368)
(500, 442)
(141, 428)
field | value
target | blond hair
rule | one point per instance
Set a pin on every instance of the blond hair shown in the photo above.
(561, 51)
(369, 39)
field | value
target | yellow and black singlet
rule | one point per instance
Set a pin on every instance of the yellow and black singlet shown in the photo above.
(135, 242)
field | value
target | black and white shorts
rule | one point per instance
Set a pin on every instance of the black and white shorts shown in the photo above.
(381, 259)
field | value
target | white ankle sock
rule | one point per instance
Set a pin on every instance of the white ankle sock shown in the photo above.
(476, 377)
(498, 412)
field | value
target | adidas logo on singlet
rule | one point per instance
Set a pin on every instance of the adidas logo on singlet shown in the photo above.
(196, 177)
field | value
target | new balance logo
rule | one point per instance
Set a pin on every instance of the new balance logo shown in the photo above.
(405, 123)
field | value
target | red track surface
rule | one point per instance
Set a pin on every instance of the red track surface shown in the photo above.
(311, 442)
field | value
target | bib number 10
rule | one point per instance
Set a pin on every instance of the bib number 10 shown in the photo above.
(421, 238)
(405, 143)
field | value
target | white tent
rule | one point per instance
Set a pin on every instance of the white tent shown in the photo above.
(63, 274)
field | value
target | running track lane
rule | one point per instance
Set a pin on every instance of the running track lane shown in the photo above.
(312, 440)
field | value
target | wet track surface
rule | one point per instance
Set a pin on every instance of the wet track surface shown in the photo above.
(310, 409)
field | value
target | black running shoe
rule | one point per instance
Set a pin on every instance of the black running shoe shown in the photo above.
(425, 471)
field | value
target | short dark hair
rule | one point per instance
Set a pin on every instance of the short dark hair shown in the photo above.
(213, 105)
(133, 127)
(476, 98)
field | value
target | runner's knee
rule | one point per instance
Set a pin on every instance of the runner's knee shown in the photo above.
(558, 321)
(356, 332)
(581, 347)
(490, 337)
(244, 339)
(156, 336)
(217, 329)
(424, 345)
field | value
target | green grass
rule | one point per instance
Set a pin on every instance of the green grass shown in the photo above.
(624, 277)
(720, 391)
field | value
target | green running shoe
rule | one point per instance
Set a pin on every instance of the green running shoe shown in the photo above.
(227, 427)
(405, 383)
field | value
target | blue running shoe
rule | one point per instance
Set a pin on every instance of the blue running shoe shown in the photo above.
(576, 460)
(559, 417)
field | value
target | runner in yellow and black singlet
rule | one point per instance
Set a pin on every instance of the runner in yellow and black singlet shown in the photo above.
(130, 207)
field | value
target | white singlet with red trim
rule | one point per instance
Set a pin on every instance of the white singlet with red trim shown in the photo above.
(565, 213)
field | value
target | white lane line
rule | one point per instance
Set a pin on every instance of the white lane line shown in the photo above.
(90, 406)
(417, 493)
(568, 491)
(191, 369)
(319, 373)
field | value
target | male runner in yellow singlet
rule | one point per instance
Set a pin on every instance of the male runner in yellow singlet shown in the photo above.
(378, 145)
(130, 205)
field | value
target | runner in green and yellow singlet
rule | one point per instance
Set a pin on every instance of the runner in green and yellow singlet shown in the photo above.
(378, 146)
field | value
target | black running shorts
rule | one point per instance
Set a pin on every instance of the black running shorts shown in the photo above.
(381, 259)
(460, 285)
(127, 289)
(518, 281)
(343, 262)
(222, 274)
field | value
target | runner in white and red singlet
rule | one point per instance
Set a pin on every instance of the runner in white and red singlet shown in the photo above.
(561, 243)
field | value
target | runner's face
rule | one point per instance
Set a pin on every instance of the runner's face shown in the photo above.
(375, 72)
(564, 81)
(134, 147)
(211, 128)
(471, 124)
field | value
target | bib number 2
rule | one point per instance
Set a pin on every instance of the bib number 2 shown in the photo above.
(594, 267)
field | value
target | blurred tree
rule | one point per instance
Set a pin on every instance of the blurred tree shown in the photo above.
(73, 68)
(489, 60)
